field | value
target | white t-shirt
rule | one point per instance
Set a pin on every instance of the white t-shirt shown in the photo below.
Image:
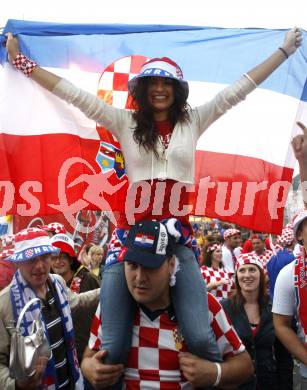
(284, 301)
(227, 258)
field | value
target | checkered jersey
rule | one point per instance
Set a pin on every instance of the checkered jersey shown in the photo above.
(211, 275)
(153, 359)
(265, 257)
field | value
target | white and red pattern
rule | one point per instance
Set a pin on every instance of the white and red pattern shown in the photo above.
(29, 253)
(75, 284)
(30, 238)
(230, 232)
(211, 275)
(153, 359)
(24, 64)
(144, 239)
(264, 258)
(113, 84)
(54, 227)
(6, 252)
(53, 128)
(214, 247)
(249, 258)
(286, 237)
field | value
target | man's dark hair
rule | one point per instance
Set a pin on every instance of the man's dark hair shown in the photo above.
(145, 132)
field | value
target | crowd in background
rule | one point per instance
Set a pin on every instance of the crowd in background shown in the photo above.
(245, 294)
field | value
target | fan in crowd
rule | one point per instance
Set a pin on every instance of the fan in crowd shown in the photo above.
(231, 248)
(219, 281)
(250, 313)
(260, 250)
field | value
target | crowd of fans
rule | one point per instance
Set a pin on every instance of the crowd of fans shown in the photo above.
(239, 267)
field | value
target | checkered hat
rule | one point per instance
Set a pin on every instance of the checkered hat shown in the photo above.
(148, 244)
(297, 220)
(230, 232)
(214, 247)
(248, 258)
(64, 243)
(160, 67)
(286, 237)
(30, 243)
(54, 227)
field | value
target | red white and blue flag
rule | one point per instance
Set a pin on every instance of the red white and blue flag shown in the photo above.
(144, 240)
(50, 152)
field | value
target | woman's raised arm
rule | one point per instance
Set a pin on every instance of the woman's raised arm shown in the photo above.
(293, 40)
(44, 78)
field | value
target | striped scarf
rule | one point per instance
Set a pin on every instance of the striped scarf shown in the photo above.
(20, 294)
(300, 284)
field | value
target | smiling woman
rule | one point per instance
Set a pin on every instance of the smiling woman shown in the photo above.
(250, 312)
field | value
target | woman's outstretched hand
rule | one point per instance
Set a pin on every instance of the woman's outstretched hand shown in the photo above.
(293, 40)
(12, 47)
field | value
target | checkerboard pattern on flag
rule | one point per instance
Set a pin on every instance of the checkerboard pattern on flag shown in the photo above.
(242, 165)
(113, 89)
(153, 359)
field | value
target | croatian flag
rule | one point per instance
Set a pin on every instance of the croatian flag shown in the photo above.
(144, 241)
(51, 154)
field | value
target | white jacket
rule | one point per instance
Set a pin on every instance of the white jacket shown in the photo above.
(178, 163)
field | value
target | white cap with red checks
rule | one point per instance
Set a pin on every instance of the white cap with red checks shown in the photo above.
(230, 232)
(286, 237)
(248, 258)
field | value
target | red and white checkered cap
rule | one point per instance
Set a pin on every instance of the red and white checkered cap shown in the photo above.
(160, 67)
(286, 237)
(30, 243)
(54, 227)
(212, 248)
(230, 232)
(248, 258)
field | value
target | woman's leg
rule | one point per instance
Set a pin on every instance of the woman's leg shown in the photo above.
(117, 314)
(189, 296)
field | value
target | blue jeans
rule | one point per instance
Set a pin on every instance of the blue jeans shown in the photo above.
(189, 297)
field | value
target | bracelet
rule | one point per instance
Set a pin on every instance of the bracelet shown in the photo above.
(219, 374)
(24, 64)
(284, 51)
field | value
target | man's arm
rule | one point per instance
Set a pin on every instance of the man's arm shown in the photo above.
(299, 144)
(199, 372)
(96, 372)
(88, 299)
(288, 337)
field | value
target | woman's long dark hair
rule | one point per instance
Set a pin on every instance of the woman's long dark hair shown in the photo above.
(145, 132)
(207, 255)
(237, 299)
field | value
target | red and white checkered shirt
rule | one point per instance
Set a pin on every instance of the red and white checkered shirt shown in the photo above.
(153, 359)
(265, 257)
(211, 275)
